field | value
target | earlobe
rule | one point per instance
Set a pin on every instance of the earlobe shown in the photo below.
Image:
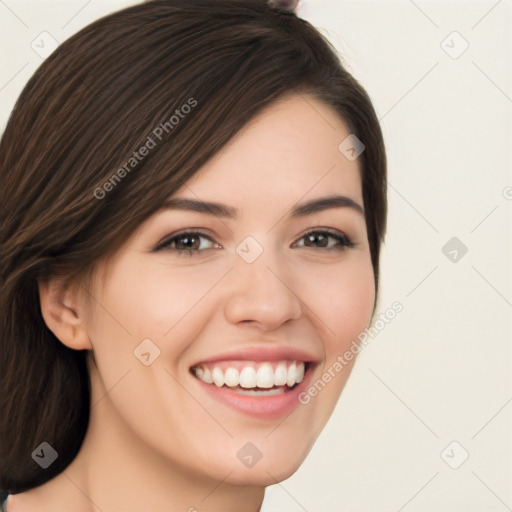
(63, 312)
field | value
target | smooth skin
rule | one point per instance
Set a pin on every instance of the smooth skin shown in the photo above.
(156, 440)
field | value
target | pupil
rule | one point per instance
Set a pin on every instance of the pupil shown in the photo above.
(188, 242)
(318, 240)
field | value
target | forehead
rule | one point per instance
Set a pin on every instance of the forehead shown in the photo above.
(289, 151)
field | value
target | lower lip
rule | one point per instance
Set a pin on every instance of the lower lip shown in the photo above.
(269, 407)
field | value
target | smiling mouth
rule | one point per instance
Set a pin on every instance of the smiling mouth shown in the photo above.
(251, 377)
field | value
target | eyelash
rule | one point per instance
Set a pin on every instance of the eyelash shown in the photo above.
(342, 241)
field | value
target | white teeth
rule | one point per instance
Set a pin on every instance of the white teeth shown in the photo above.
(265, 376)
(254, 375)
(218, 377)
(292, 375)
(248, 377)
(267, 392)
(207, 376)
(280, 375)
(300, 372)
(231, 377)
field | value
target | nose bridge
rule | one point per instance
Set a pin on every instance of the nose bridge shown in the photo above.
(261, 291)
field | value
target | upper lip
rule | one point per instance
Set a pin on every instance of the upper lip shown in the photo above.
(259, 354)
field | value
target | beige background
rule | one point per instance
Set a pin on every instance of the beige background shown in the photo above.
(440, 371)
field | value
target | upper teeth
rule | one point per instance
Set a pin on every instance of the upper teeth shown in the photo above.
(253, 375)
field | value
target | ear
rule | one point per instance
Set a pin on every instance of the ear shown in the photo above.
(63, 310)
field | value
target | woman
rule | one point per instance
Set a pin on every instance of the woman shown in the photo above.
(193, 202)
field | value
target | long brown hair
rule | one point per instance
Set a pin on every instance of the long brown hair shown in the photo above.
(180, 78)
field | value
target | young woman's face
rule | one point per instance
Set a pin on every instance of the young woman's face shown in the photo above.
(252, 279)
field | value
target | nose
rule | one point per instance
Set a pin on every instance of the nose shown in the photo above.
(262, 294)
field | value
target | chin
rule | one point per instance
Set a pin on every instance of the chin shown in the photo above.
(265, 475)
(266, 461)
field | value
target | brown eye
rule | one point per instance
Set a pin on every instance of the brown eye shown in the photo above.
(324, 240)
(188, 242)
(316, 240)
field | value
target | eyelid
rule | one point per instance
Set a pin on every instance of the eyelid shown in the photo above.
(164, 242)
(345, 239)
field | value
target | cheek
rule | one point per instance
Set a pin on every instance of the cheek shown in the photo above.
(156, 302)
(341, 305)
(151, 301)
(343, 300)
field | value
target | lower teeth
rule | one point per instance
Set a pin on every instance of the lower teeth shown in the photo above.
(259, 392)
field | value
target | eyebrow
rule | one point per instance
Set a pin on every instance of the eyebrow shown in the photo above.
(228, 212)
